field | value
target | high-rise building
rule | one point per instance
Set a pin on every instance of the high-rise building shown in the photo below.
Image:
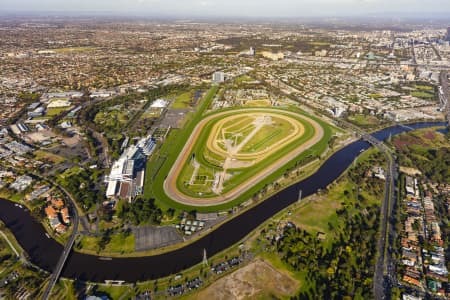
(448, 34)
(218, 77)
(252, 51)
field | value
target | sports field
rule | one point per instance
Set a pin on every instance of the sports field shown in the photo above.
(231, 151)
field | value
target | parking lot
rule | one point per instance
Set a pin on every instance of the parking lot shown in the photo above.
(151, 237)
(173, 118)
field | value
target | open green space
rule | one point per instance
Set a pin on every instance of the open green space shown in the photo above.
(47, 156)
(318, 43)
(424, 87)
(317, 213)
(182, 101)
(243, 79)
(112, 118)
(422, 94)
(56, 111)
(330, 245)
(114, 244)
(364, 120)
(427, 150)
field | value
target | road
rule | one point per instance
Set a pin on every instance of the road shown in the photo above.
(444, 85)
(68, 247)
(413, 55)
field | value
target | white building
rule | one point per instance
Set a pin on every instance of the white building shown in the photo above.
(272, 56)
(126, 178)
(218, 77)
(159, 103)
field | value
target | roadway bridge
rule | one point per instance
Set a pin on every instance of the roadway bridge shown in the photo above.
(404, 126)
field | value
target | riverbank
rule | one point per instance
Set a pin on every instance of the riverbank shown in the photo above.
(43, 251)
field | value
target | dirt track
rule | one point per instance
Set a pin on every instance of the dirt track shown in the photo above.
(170, 184)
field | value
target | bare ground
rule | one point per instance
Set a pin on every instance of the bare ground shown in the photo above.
(258, 280)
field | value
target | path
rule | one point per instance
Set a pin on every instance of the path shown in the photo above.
(10, 244)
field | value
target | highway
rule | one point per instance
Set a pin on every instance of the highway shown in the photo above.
(444, 85)
(384, 272)
(384, 267)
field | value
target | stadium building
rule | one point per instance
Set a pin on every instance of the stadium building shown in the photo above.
(126, 179)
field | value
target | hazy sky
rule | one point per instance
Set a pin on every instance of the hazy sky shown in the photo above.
(250, 8)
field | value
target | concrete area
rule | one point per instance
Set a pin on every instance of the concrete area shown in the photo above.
(173, 118)
(152, 237)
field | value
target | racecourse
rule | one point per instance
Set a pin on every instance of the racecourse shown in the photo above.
(170, 183)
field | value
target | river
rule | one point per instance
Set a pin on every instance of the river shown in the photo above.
(44, 252)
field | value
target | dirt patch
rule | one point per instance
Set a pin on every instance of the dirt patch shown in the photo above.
(258, 280)
(430, 135)
(403, 141)
(40, 136)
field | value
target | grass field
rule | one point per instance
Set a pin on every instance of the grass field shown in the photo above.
(243, 78)
(119, 243)
(182, 101)
(56, 111)
(43, 155)
(422, 94)
(424, 87)
(364, 120)
(319, 43)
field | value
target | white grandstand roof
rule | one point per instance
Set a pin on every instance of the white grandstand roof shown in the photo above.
(159, 103)
(111, 189)
(118, 167)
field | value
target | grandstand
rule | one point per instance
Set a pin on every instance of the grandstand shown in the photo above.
(126, 178)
